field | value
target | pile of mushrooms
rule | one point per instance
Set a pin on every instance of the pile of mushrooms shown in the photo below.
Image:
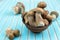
(11, 34)
(37, 18)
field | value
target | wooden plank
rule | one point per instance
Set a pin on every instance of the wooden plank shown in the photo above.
(57, 29)
(3, 27)
(55, 22)
(2, 6)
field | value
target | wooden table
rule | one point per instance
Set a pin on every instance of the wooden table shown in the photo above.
(8, 19)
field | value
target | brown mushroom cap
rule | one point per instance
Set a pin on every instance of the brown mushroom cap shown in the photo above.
(41, 5)
(16, 33)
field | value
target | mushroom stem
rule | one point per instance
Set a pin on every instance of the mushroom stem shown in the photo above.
(39, 20)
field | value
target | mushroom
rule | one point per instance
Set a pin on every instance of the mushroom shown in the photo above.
(16, 33)
(19, 8)
(42, 5)
(54, 14)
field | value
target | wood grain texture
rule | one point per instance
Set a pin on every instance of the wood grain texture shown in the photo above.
(8, 19)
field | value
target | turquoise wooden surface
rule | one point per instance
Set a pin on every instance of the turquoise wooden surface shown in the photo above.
(8, 19)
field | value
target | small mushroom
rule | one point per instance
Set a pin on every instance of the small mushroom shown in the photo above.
(41, 5)
(19, 8)
(16, 33)
(54, 14)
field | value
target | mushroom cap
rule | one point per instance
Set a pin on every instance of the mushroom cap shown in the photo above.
(17, 9)
(16, 33)
(11, 36)
(41, 5)
(54, 13)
